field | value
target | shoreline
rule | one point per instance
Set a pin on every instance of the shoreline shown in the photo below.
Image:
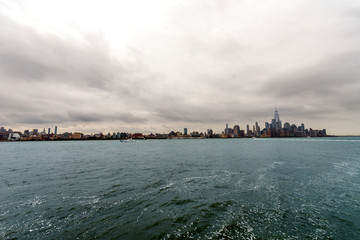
(175, 138)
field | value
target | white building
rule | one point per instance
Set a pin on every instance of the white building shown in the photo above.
(14, 137)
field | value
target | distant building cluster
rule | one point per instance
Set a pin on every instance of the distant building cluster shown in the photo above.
(36, 135)
(273, 129)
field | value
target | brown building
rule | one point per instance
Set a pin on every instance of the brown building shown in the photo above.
(137, 136)
(77, 135)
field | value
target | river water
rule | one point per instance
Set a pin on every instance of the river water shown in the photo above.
(293, 188)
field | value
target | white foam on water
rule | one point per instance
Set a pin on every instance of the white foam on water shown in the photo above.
(169, 185)
(36, 201)
(348, 168)
(239, 182)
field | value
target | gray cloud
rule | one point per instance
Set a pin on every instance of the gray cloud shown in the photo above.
(35, 119)
(49, 79)
(96, 117)
(329, 87)
(208, 64)
(323, 78)
(29, 56)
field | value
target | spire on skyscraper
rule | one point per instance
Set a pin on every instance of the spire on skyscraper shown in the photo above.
(276, 115)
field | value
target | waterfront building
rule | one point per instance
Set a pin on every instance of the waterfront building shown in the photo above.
(273, 123)
(236, 131)
(276, 123)
(323, 132)
(257, 128)
(77, 135)
(242, 133)
(302, 127)
(66, 135)
(287, 126)
(137, 136)
(14, 137)
(4, 136)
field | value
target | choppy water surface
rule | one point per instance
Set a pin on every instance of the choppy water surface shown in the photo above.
(181, 189)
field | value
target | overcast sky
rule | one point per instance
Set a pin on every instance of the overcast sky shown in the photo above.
(157, 66)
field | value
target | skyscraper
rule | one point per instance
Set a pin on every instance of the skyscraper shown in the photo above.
(276, 115)
(257, 128)
(276, 122)
(55, 130)
(236, 131)
(185, 131)
(49, 131)
(287, 125)
(227, 129)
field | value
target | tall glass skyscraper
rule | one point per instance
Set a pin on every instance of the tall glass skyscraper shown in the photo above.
(276, 116)
(276, 123)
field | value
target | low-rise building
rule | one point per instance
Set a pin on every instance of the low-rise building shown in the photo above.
(77, 135)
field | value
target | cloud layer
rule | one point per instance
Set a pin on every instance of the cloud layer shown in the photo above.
(203, 64)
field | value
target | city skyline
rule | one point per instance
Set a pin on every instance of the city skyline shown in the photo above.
(256, 126)
(154, 66)
(273, 129)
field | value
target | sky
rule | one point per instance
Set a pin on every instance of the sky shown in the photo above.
(160, 65)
